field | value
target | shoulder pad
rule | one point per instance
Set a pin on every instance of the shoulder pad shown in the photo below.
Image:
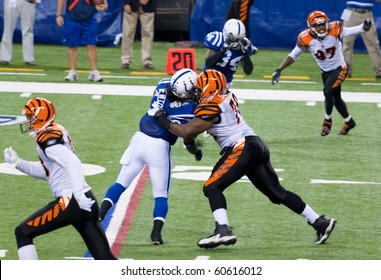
(51, 136)
(335, 28)
(304, 39)
(207, 111)
(214, 40)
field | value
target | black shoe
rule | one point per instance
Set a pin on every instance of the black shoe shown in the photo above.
(125, 66)
(156, 238)
(347, 126)
(148, 66)
(30, 63)
(4, 62)
(378, 76)
(223, 235)
(323, 227)
(326, 127)
(156, 232)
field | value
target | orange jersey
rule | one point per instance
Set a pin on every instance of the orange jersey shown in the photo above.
(327, 51)
(230, 126)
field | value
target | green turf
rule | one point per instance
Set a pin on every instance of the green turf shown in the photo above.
(101, 130)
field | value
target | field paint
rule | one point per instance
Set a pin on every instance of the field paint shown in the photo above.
(118, 220)
(342, 182)
(201, 258)
(22, 74)
(133, 90)
(3, 253)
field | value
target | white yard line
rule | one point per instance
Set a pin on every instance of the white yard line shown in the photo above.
(129, 90)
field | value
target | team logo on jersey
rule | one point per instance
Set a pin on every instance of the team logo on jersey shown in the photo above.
(8, 120)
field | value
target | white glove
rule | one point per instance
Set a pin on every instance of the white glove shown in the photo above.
(11, 157)
(84, 202)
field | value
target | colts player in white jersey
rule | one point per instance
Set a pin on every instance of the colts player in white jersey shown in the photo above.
(243, 153)
(228, 49)
(152, 146)
(324, 41)
(74, 202)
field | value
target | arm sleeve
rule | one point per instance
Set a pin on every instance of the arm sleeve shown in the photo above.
(295, 53)
(347, 31)
(32, 169)
(71, 163)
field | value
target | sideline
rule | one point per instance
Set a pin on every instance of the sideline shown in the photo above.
(130, 90)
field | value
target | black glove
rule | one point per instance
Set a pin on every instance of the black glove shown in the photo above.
(161, 117)
(227, 45)
(105, 206)
(198, 155)
(244, 43)
(367, 24)
(276, 76)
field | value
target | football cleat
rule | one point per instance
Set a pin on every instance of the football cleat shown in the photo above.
(323, 227)
(326, 127)
(156, 238)
(347, 126)
(223, 235)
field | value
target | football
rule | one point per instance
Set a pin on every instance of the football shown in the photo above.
(97, 2)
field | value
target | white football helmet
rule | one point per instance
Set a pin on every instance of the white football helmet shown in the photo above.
(234, 30)
(183, 83)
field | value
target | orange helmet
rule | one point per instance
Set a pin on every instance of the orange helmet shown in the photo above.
(318, 18)
(39, 113)
(210, 83)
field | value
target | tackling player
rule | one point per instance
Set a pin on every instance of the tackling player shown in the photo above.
(323, 40)
(74, 202)
(152, 146)
(243, 153)
(228, 49)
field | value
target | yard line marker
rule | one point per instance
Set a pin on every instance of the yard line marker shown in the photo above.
(118, 220)
(342, 182)
(23, 74)
(3, 253)
(22, 69)
(201, 258)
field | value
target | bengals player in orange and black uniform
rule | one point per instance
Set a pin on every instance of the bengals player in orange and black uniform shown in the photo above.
(74, 202)
(243, 153)
(323, 40)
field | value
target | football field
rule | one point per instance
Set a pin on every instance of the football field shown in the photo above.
(338, 176)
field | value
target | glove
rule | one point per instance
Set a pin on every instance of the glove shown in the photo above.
(367, 24)
(276, 76)
(161, 117)
(11, 157)
(84, 202)
(244, 43)
(198, 155)
(105, 206)
(227, 45)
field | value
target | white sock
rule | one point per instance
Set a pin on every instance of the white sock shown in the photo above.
(27, 252)
(309, 214)
(220, 216)
(328, 117)
(348, 118)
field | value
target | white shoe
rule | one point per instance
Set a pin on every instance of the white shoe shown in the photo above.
(95, 76)
(72, 76)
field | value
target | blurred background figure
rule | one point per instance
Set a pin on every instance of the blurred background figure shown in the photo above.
(355, 14)
(13, 10)
(240, 9)
(134, 10)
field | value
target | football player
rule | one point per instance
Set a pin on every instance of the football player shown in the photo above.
(243, 153)
(323, 40)
(228, 49)
(151, 145)
(74, 202)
